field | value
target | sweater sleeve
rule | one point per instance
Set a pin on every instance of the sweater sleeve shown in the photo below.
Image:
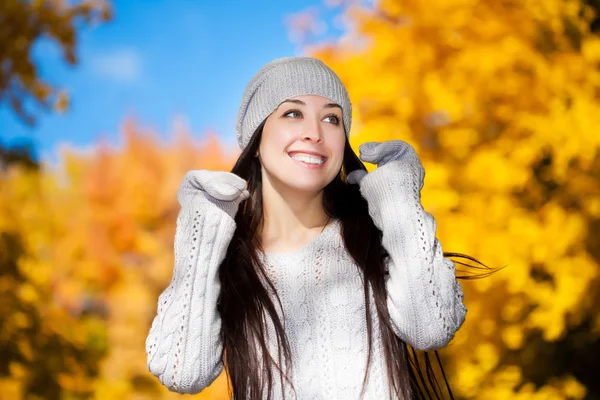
(183, 347)
(425, 300)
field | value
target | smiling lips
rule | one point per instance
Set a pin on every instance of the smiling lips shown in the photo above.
(309, 160)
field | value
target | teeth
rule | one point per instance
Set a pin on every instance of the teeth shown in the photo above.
(308, 159)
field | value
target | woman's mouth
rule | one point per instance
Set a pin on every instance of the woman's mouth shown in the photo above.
(309, 161)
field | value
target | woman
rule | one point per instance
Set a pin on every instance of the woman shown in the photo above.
(306, 276)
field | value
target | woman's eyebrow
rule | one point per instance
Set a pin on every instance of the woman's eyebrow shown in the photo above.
(293, 101)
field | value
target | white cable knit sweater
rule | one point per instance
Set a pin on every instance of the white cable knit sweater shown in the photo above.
(321, 292)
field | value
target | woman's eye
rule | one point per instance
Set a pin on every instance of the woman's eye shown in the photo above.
(334, 119)
(293, 114)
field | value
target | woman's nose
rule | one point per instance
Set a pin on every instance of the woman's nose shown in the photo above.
(313, 131)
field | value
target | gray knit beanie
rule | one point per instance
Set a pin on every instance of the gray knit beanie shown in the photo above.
(282, 79)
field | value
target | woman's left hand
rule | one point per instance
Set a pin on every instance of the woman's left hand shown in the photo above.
(382, 153)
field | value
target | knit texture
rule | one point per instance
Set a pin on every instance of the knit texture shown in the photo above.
(321, 290)
(282, 79)
(424, 298)
(183, 346)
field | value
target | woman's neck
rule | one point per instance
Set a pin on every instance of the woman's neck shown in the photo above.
(291, 219)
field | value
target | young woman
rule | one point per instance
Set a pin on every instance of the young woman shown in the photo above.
(301, 273)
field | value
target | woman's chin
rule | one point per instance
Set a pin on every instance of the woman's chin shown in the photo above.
(299, 181)
(308, 186)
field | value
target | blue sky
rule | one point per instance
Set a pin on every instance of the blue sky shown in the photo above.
(160, 60)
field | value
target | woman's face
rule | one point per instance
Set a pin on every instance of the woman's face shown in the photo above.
(302, 144)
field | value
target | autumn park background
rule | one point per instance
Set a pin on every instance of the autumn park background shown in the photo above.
(501, 100)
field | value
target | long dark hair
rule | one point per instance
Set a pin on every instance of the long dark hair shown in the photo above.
(244, 301)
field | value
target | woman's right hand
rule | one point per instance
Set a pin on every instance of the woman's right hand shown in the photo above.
(224, 189)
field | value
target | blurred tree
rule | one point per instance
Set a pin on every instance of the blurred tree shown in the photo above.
(21, 154)
(85, 250)
(502, 101)
(595, 22)
(23, 23)
(44, 350)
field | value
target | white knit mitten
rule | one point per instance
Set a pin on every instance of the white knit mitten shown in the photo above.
(224, 189)
(383, 153)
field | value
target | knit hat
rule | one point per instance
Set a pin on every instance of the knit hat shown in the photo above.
(282, 79)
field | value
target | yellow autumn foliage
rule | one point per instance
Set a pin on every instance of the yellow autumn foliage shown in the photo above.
(500, 100)
(97, 249)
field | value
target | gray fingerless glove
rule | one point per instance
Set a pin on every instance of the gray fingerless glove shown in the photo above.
(223, 189)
